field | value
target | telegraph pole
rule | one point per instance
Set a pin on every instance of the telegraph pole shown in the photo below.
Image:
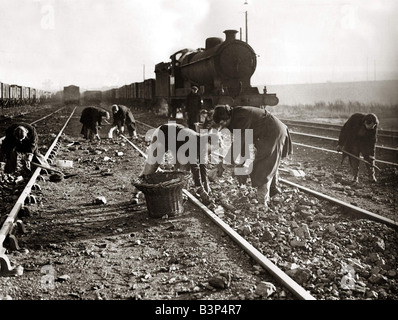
(247, 31)
(143, 71)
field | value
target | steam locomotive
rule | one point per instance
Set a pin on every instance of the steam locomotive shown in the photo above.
(222, 70)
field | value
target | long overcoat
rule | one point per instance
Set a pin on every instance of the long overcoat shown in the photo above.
(271, 139)
(91, 118)
(124, 116)
(356, 139)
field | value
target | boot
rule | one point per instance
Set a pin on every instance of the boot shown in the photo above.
(274, 189)
(355, 179)
(355, 172)
(263, 195)
(371, 170)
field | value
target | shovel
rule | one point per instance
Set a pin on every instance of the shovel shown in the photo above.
(54, 170)
(360, 159)
(294, 172)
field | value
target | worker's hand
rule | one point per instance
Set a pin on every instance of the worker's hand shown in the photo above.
(242, 179)
(220, 169)
(28, 160)
(27, 165)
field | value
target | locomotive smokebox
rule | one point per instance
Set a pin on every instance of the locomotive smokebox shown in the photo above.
(224, 66)
(230, 35)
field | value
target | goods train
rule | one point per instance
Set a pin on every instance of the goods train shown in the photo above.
(222, 70)
(92, 96)
(15, 95)
(71, 95)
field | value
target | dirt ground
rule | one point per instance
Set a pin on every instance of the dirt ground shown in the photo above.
(89, 237)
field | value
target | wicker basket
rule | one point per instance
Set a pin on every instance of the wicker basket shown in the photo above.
(163, 192)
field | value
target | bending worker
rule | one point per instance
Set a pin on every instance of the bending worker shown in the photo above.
(91, 118)
(359, 136)
(271, 139)
(20, 138)
(122, 116)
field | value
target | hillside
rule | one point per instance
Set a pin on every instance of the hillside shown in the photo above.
(368, 92)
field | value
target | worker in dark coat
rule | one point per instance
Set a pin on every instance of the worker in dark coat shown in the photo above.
(91, 118)
(123, 117)
(358, 136)
(271, 139)
(20, 138)
(192, 107)
(174, 133)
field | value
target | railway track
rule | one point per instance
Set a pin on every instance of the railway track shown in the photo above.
(321, 134)
(11, 222)
(347, 208)
(385, 137)
(387, 155)
(298, 291)
(72, 230)
(29, 117)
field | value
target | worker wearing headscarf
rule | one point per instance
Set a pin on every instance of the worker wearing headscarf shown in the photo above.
(91, 118)
(122, 116)
(358, 136)
(20, 138)
(271, 139)
(174, 138)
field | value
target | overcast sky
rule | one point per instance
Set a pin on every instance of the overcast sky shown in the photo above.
(94, 43)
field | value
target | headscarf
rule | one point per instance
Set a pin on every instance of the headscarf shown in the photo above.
(20, 133)
(115, 108)
(371, 121)
(222, 112)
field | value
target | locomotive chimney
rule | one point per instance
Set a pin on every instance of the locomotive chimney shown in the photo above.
(212, 42)
(230, 35)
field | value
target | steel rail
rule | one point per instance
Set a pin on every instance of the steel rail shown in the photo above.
(2, 138)
(333, 151)
(289, 283)
(281, 276)
(315, 136)
(334, 127)
(361, 212)
(12, 216)
(336, 140)
(47, 116)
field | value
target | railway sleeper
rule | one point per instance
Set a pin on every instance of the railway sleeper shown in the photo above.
(24, 212)
(6, 269)
(5, 266)
(11, 243)
(36, 187)
(30, 199)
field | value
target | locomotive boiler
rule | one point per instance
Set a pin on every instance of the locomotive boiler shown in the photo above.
(222, 70)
